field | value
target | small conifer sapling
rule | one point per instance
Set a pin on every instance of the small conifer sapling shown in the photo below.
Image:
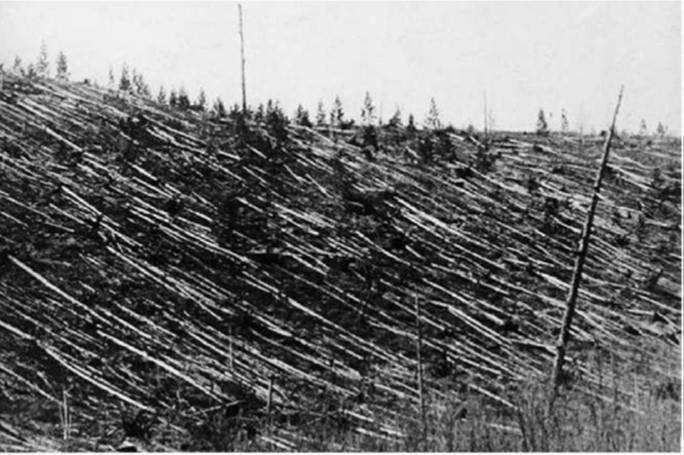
(62, 67)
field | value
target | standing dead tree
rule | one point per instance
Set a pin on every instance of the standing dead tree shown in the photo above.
(484, 97)
(242, 59)
(579, 264)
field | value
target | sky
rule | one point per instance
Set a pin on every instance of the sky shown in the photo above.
(523, 55)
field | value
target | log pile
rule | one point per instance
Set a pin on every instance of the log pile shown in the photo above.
(162, 263)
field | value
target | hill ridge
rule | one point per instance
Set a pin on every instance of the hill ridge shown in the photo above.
(177, 263)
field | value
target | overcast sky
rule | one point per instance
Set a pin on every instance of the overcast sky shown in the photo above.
(525, 55)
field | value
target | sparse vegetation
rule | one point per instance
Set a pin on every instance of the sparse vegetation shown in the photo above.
(320, 114)
(395, 120)
(62, 67)
(368, 117)
(161, 95)
(661, 130)
(201, 103)
(432, 120)
(218, 110)
(302, 117)
(42, 68)
(125, 83)
(17, 66)
(183, 102)
(542, 125)
(565, 125)
(336, 113)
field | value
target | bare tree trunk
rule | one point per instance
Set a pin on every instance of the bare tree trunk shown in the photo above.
(419, 342)
(242, 55)
(484, 95)
(579, 264)
(269, 403)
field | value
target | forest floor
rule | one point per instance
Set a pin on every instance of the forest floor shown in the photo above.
(182, 282)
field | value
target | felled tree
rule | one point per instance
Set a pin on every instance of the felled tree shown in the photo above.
(320, 114)
(336, 113)
(42, 65)
(542, 126)
(444, 146)
(161, 96)
(432, 120)
(62, 67)
(426, 150)
(368, 111)
(302, 116)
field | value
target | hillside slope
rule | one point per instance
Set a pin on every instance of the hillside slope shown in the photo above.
(164, 265)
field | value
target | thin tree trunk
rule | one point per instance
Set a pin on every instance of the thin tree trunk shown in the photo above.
(419, 342)
(484, 95)
(579, 264)
(230, 348)
(269, 403)
(242, 55)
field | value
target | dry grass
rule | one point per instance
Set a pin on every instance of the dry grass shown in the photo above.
(578, 423)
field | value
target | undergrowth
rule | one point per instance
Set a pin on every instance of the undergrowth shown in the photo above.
(579, 422)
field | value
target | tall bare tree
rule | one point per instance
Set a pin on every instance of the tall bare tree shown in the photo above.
(579, 264)
(242, 60)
